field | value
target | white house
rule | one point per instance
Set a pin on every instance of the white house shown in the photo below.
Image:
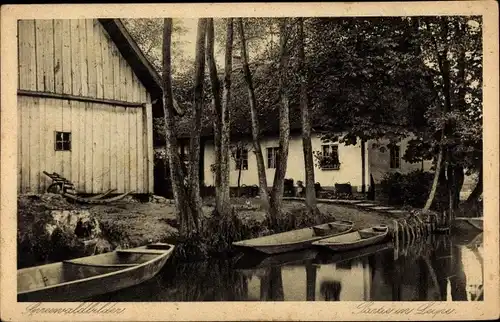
(356, 163)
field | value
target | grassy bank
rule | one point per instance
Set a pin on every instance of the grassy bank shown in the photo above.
(130, 223)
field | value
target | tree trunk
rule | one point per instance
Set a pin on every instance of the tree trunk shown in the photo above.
(181, 196)
(194, 168)
(217, 110)
(239, 180)
(306, 126)
(284, 127)
(226, 119)
(261, 170)
(435, 182)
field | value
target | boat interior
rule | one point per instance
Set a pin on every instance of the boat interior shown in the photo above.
(296, 235)
(352, 237)
(76, 269)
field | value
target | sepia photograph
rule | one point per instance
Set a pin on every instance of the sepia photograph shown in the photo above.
(252, 158)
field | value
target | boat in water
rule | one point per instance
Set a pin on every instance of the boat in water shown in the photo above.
(357, 239)
(295, 239)
(86, 277)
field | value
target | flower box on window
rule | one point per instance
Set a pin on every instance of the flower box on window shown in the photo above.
(328, 159)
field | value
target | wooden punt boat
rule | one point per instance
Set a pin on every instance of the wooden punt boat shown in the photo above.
(325, 229)
(468, 224)
(86, 277)
(354, 240)
(293, 240)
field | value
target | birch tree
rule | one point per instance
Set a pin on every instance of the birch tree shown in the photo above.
(306, 124)
(284, 125)
(221, 114)
(261, 170)
(188, 210)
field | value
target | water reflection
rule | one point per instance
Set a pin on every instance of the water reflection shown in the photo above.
(439, 269)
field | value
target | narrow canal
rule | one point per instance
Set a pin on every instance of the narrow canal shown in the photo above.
(442, 268)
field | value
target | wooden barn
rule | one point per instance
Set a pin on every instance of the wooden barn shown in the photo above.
(85, 94)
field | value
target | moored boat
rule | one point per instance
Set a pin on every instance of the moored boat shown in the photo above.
(295, 239)
(354, 240)
(86, 277)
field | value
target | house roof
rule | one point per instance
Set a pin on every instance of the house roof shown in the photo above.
(137, 60)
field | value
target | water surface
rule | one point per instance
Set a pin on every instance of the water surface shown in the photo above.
(441, 268)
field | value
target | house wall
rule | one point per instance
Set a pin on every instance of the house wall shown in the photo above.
(111, 143)
(379, 161)
(349, 171)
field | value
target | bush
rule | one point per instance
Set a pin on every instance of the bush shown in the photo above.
(218, 234)
(296, 219)
(412, 189)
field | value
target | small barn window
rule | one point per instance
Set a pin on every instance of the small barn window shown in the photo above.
(272, 157)
(63, 141)
(394, 152)
(242, 159)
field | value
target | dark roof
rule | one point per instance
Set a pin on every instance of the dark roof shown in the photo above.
(136, 59)
(241, 123)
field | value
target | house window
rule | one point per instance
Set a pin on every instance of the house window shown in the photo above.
(63, 141)
(330, 157)
(394, 152)
(272, 157)
(242, 158)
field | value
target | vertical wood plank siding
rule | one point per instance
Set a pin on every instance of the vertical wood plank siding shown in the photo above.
(111, 144)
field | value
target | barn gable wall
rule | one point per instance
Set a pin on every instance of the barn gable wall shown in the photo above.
(111, 143)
